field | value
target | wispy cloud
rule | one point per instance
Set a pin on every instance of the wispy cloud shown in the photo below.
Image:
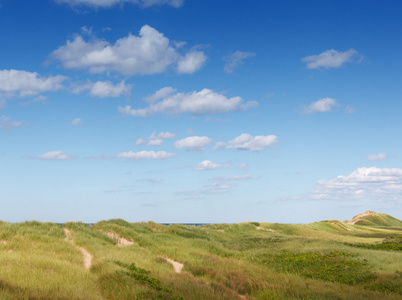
(331, 59)
(6, 123)
(204, 102)
(193, 143)
(246, 141)
(322, 105)
(376, 157)
(156, 139)
(209, 165)
(76, 122)
(54, 155)
(145, 155)
(110, 3)
(236, 59)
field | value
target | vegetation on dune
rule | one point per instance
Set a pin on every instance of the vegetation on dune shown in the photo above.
(322, 260)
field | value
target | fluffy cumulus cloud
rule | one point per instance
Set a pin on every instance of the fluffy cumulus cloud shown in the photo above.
(209, 165)
(379, 184)
(110, 3)
(145, 155)
(252, 143)
(331, 59)
(193, 143)
(24, 83)
(235, 60)
(376, 157)
(107, 89)
(191, 62)
(322, 105)
(54, 155)
(7, 124)
(203, 102)
(148, 53)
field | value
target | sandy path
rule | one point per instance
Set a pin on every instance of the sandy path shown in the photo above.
(360, 217)
(121, 241)
(260, 228)
(87, 256)
(176, 265)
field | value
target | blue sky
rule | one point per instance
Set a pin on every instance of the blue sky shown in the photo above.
(200, 111)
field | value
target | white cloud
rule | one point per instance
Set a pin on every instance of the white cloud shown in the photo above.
(7, 124)
(247, 142)
(24, 83)
(156, 139)
(155, 142)
(145, 155)
(331, 59)
(110, 3)
(107, 89)
(376, 157)
(160, 94)
(193, 143)
(210, 189)
(349, 109)
(191, 62)
(243, 166)
(149, 53)
(209, 165)
(379, 184)
(140, 141)
(235, 60)
(198, 103)
(53, 155)
(76, 122)
(166, 135)
(322, 105)
(237, 177)
(40, 99)
(103, 89)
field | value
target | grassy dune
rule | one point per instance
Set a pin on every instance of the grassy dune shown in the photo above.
(321, 260)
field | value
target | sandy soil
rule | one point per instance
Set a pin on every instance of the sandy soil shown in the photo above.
(120, 240)
(176, 265)
(360, 217)
(86, 255)
(260, 228)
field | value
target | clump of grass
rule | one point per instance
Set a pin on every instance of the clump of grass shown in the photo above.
(387, 283)
(334, 266)
(389, 243)
(144, 277)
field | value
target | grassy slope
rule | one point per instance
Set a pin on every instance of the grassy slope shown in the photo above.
(380, 220)
(322, 260)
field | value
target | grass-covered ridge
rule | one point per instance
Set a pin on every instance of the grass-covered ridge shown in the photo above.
(322, 260)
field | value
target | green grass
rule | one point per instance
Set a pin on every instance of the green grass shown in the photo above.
(321, 260)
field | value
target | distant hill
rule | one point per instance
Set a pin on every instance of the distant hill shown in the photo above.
(371, 218)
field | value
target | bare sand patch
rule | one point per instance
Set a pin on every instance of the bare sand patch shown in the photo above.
(176, 265)
(86, 255)
(268, 229)
(361, 217)
(87, 258)
(220, 230)
(121, 241)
